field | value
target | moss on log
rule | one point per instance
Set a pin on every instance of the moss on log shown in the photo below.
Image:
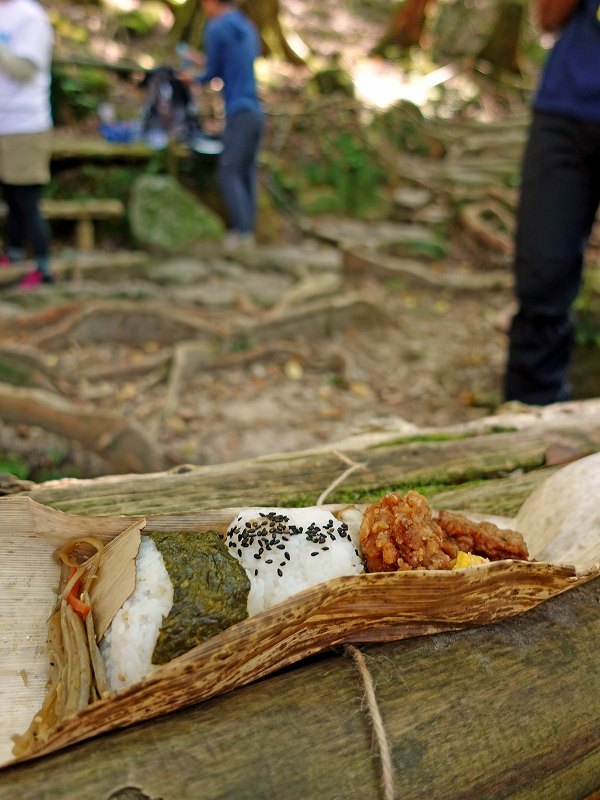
(299, 478)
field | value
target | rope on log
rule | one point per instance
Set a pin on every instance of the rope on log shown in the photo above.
(353, 466)
(387, 769)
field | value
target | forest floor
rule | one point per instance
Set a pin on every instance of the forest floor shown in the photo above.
(322, 355)
(217, 358)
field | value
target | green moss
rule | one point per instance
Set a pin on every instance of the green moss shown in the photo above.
(370, 495)
(424, 439)
(373, 494)
(15, 374)
(77, 91)
(296, 500)
(14, 466)
(166, 216)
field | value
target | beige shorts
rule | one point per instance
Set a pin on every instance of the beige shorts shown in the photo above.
(25, 158)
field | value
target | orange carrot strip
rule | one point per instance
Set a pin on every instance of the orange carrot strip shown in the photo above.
(83, 609)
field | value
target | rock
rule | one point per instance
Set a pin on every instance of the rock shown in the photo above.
(411, 198)
(166, 217)
(405, 126)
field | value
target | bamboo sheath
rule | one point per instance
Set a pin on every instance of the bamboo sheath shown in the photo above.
(494, 711)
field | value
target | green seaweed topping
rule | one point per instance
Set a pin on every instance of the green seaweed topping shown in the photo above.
(210, 591)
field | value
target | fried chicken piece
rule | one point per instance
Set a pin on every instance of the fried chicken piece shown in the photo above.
(399, 533)
(482, 538)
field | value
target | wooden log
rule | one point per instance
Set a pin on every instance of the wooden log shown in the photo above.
(83, 208)
(430, 461)
(83, 213)
(496, 711)
(96, 149)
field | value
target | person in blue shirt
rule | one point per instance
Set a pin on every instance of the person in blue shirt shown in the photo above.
(231, 45)
(559, 198)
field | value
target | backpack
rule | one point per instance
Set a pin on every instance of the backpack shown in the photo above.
(169, 113)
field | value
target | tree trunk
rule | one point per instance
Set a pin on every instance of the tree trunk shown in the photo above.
(264, 14)
(184, 16)
(501, 48)
(405, 28)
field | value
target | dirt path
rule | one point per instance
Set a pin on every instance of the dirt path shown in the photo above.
(219, 360)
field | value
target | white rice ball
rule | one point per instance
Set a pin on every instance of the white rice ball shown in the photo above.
(129, 641)
(286, 550)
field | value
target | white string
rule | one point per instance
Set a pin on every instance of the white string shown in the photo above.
(352, 468)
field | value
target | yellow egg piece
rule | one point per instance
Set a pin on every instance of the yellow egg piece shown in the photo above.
(468, 560)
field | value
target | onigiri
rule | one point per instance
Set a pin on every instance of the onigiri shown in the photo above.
(286, 550)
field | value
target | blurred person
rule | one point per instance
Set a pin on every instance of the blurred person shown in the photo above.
(26, 40)
(560, 193)
(231, 45)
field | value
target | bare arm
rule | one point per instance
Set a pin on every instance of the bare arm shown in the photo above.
(20, 69)
(551, 15)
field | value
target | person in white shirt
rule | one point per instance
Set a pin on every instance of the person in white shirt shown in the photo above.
(26, 40)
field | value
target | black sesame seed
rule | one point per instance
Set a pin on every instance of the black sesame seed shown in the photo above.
(279, 572)
(315, 553)
(287, 555)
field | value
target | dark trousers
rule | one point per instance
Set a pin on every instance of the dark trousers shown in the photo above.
(25, 223)
(238, 168)
(560, 192)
